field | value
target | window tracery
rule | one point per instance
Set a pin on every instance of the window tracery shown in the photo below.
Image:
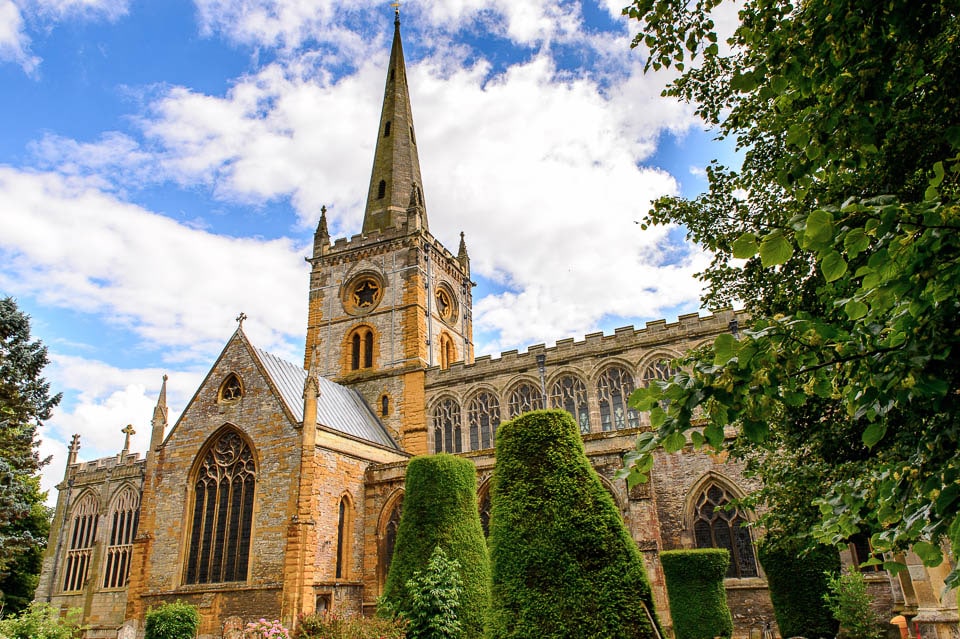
(124, 517)
(83, 534)
(524, 398)
(483, 417)
(231, 389)
(222, 512)
(570, 394)
(613, 392)
(717, 525)
(447, 435)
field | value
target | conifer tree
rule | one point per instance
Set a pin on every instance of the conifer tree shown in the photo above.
(25, 402)
(440, 510)
(562, 561)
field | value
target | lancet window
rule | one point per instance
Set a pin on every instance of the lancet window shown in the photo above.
(524, 398)
(447, 435)
(222, 512)
(344, 533)
(570, 394)
(613, 392)
(716, 525)
(390, 536)
(483, 417)
(83, 534)
(124, 517)
(361, 349)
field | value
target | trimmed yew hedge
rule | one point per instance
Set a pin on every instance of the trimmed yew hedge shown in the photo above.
(797, 586)
(440, 509)
(562, 561)
(698, 601)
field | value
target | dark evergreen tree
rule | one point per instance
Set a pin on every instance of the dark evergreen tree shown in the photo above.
(798, 582)
(562, 561)
(698, 600)
(25, 401)
(440, 510)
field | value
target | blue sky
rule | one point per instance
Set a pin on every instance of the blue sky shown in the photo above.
(163, 165)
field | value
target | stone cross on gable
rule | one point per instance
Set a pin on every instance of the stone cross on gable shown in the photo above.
(242, 316)
(128, 430)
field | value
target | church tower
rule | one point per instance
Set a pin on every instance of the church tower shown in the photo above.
(391, 302)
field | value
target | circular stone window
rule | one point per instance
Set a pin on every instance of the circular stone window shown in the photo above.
(362, 294)
(446, 304)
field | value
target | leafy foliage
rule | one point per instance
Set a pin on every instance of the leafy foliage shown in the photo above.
(440, 509)
(846, 213)
(177, 620)
(332, 625)
(698, 600)
(562, 560)
(25, 401)
(435, 599)
(42, 621)
(798, 583)
(849, 602)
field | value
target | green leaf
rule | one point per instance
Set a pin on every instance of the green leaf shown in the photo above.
(819, 229)
(928, 553)
(745, 246)
(775, 249)
(725, 348)
(697, 439)
(874, 433)
(833, 266)
(855, 309)
(856, 242)
(674, 442)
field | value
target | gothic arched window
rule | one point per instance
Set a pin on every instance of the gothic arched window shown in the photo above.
(231, 388)
(389, 537)
(344, 534)
(658, 370)
(83, 534)
(222, 512)
(448, 353)
(483, 417)
(124, 517)
(717, 525)
(483, 506)
(613, 391)
(570, 394)
(524, 398)
(361, 348)
(447, 436)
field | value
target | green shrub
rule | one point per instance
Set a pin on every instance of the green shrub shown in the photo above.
(797, 584)
(331, 625)
(440, 509)
(698, 601)
(42, 621)
(849, 602)
(176, 620)
(435, 599)
(562, 561)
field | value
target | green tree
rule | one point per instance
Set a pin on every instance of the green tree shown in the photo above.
(440, 509)
(562, 561)
(845, 210)
(849, 601)
(177, 620)
(25, 402)
(40, 620)
(435, 599)
(798, 584)
(698, 600)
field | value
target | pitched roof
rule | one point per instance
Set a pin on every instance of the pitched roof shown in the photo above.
(338, 407)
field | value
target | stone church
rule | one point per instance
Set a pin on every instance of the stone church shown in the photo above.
(279, 490)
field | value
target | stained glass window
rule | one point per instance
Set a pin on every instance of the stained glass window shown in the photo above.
(570, 394)
(613, 391)
(483, 416)
(124, 517)
(524, 398)
(83, 534)
(222, 513)
(718, 525)
(447, 435)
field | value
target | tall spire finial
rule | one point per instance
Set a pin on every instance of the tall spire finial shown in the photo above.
(396, 13)
(396, 165)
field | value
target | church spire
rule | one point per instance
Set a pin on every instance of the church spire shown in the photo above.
(395, 179)
(159, 422)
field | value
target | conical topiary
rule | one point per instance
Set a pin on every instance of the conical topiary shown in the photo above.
(562, 561)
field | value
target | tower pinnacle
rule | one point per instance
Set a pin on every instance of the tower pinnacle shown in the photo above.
(395, 177)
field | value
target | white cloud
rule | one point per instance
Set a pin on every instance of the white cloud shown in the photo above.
(108, 398)
(14, 42)
(85, 9)
(72, 246)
